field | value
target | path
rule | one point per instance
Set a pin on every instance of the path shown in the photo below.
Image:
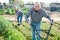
(13, 18)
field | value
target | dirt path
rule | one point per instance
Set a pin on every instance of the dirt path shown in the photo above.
(13, 18)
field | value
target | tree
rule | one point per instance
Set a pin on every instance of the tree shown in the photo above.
(21, 3)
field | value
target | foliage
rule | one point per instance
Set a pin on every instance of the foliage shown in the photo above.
(25, 10)
(1, 11)
(10, 11)
(8, 31)
(23, 32)
(26, 30)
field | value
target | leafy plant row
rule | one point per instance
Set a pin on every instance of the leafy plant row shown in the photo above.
(8, 31)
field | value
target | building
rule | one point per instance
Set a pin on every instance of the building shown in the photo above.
(55, 7)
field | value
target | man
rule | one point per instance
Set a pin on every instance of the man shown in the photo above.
(36, 13)
(19, 15)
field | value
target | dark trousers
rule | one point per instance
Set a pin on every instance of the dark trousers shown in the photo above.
(19, 18)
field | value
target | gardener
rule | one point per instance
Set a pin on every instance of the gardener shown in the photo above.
(36, 13)
(19, 15)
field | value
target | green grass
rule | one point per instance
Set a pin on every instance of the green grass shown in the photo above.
(8, 31)
(54, 34)
(23, 32)
(1, 11)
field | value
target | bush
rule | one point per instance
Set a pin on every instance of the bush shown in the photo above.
(25, 10)
(1, 11)
(10, 11)
(8, 31)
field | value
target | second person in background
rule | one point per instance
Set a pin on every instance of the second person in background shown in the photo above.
(19, 15)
